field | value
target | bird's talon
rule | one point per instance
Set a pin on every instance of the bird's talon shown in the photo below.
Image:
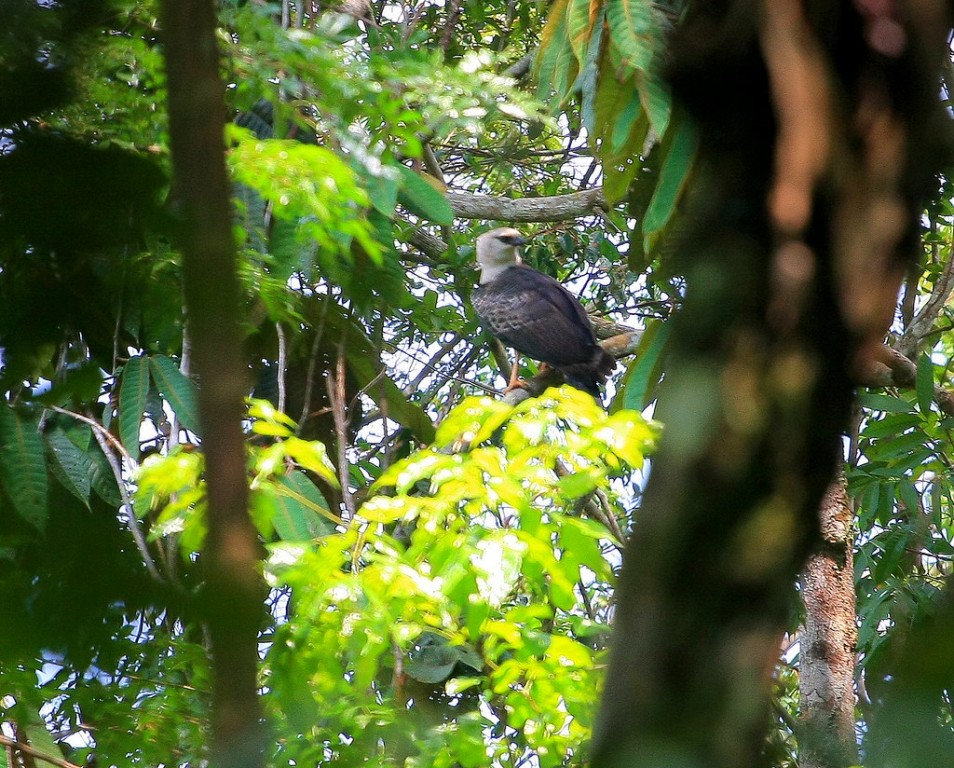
(516, 384)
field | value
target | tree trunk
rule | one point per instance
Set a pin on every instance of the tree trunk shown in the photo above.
(819, 127)
(826, 660)
(232, 602)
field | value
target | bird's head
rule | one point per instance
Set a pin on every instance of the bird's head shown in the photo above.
(497, 250)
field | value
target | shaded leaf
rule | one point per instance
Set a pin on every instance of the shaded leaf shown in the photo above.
(680, 148)
(555, 65)
(133, 394)
(925, 383)
(178, 390)
(23, 465)
(71, 465)
(888, 403)
(422, 199)
(639, 384)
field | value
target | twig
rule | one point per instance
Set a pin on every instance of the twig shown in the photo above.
(336, 397)
(19, 746)
(431, 365)
(131, 518)
(99, 429)
(924, 320)
(312, 365)
(282, 364)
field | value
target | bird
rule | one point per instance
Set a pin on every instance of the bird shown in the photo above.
(535, 314)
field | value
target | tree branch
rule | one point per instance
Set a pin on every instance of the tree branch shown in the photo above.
(527, 209)
(923, 321)
(232, 601)
(26, 749)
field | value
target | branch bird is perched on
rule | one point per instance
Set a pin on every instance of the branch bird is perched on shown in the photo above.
(535, 314)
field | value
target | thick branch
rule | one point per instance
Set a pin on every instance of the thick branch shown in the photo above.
(232, 602)
(882, 366)
(791, 265)
(527, 209)
(923, 322)
(827, 652)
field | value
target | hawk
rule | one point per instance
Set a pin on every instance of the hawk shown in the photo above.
(535, 314)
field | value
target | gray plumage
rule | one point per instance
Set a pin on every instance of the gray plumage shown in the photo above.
(535, 314)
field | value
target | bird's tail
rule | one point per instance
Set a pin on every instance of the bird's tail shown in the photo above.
(590, 375)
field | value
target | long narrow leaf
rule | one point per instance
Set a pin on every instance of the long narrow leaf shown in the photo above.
(133, 394)
(70, 464)
(297, 515)
(556, 66)
(178, 390)
(925, 383)
(422, 199)
(634, 34)
(23, 466)
(675, 171)
(639, 384)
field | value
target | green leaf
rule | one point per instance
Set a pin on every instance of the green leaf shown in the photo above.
(383, 192)
(423, 199)
(639, 383)
(588, 81)
(657, 101)
(629, 125)
(133, 394)
(38, 737)
(71, 465)
(578, 29)
(925, 383)
(578, 484)
(617, 177)
(633, 32)
(673, 174)
(313, 456)
(473, 421)
(178, 390)
(23, 465)
(297, 500)
(555, 65)
(888, 403)
(102, 480)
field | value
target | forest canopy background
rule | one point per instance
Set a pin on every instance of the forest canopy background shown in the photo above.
(437, 566)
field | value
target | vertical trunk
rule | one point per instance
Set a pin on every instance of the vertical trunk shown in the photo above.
(819, 132)
(827, 645)
(232, 602)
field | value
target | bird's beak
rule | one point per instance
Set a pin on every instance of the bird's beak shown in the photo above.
(518, 241)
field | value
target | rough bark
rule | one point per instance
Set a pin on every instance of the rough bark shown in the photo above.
(232, 603)
(819, 135)
(826, 659)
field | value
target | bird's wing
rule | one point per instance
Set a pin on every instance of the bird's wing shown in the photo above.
(536, 315)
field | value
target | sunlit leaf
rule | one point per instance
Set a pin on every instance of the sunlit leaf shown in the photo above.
(295, 512)
(313, 456)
